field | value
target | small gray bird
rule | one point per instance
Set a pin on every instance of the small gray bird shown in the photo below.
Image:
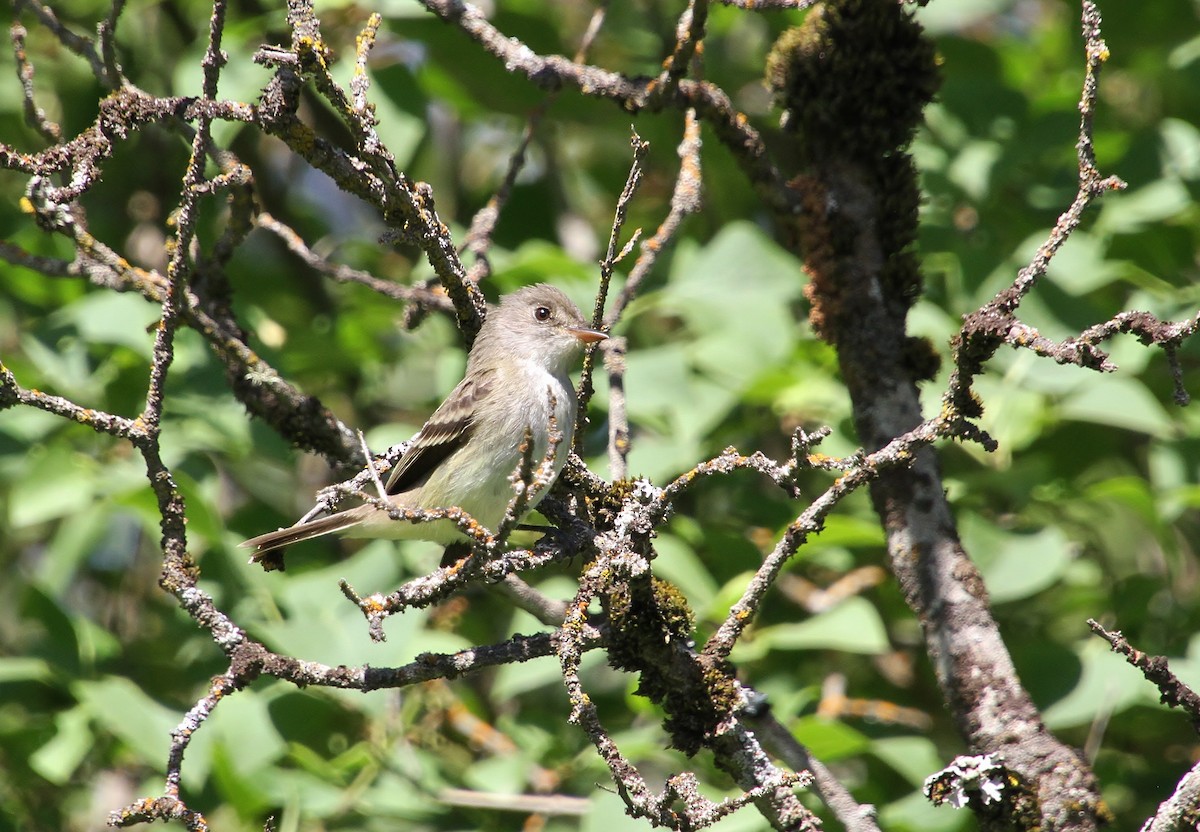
(467, 451)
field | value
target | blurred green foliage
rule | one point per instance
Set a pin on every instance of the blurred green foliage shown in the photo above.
(1089, 508)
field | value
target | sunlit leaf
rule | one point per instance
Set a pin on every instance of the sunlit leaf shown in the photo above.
(1109, 685)
(1017, 565)
(127, 713)
(853, 626)
(73, 738)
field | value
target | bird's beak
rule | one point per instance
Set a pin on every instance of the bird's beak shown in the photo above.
(587, 336)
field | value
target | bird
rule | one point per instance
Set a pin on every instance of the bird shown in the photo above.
(465, 454)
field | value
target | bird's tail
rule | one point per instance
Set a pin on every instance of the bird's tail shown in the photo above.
(271, 541)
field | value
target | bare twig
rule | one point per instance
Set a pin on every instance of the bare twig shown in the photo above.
(769, 5)
(361, 82)
(35, 116)
(901, 451)
(11, 393)
(345, 274)
(779, 741)
(679, 806)
(618, 417)
(179, 573)
(546, 610)
(478, 240)
(995, 323)
(685, 199)
(106, 34)
(79, 44)
(611, 257)
(1172, 692)
(408, 207)
(710, 102)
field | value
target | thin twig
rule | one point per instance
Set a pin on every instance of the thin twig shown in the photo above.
(35, 116)
(685, 199)
(618, 416)
(345, 274)
(612, 256)
(1172, 692)
(711, 103)
(549, 611)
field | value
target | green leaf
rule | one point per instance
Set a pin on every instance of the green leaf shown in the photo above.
(828, 739)
(915, 813)
(1131, 211)
(538, 260)
(1015, 415)
(58, 759)
(21, 669)
(913, 757)
(302, 793)
(854, 626)
(1080, 266)
(1133, 493)
(239, 731)
(740, 327)
(606, 812)
(75, 538)
(121, 707)
(972, 168)
(497, 775)
(237, 789)
(65, 368)
(678, 563)
(57, 482)
(940, 18)
(321, 625)
(1016, 566)
(28, 425)
(1120, 402)
(1108, 685)
(667, 385)
(852, 532)
(115, 318)
(392, 795)
(51, 631)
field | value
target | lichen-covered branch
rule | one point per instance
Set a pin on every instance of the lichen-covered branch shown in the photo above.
(608, 264)
(370, 173)
(1178, 812)
(685, 199)
(849, 209)
(1172, 692)
(710, 102)
(859, 193)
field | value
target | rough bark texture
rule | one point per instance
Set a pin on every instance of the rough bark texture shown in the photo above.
(992, 710)
(855, 231)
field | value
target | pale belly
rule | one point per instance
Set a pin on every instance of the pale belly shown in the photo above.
(478, 478)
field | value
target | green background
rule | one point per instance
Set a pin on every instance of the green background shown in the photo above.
(1088, 508)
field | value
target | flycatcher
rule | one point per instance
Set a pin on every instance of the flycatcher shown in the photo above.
(467, 451)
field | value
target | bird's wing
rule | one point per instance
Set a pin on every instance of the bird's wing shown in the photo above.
(445, 432)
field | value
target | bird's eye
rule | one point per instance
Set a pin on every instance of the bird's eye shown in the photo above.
(542, 313)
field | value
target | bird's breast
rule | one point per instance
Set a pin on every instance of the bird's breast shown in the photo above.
(478, 476)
